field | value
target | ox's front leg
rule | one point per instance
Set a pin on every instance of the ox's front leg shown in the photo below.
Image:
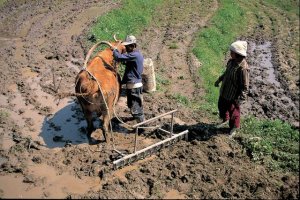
(106, 124)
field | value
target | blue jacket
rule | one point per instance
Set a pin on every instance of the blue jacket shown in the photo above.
(134, 65)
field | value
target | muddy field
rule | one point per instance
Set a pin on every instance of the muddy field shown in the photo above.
(44, 152)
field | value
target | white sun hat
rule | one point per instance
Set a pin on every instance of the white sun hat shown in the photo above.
(239, 47)
(130, 39)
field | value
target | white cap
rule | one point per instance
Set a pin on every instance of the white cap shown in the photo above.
(130, 39)
(239, 47)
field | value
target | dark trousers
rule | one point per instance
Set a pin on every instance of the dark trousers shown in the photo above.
(229, 110)
(135, 103)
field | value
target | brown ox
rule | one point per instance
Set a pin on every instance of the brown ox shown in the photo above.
(98, 86)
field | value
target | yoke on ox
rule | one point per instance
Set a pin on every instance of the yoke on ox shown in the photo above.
(98, 86)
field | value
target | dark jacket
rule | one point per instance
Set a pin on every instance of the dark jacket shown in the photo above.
(235, 81)
(134, 65)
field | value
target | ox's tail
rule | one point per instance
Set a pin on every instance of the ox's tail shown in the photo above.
(69, 94)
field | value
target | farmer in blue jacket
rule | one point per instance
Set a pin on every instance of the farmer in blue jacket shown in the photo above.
(133, 60)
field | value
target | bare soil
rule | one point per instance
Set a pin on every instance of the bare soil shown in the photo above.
(44, 152)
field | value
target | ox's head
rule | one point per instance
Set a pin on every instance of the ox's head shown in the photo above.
(118, 44)
(108, 55)
(115, 44)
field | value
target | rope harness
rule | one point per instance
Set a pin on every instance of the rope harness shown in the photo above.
(106, 106)
(102, 94)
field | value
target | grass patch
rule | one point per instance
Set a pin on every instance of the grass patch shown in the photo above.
(272, 142)
(3, 116)
(2, 2)
(173, 45)
(181, 99)
(161, 82)
(212, 44)
(131, 18)
(290, 6)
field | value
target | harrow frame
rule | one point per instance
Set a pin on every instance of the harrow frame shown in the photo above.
(141, 154)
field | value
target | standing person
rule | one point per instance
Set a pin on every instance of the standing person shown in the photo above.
(235, 85)
(133, 60)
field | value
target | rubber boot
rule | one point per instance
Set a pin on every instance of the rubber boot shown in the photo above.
(140, 119)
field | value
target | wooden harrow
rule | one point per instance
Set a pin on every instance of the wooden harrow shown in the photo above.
(141, 154)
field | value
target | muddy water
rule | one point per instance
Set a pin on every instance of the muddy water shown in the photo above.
(6, 142)
(63, 122)
(267, 98)
(51, 187)
(77, 27)
(174, 194)
(266, 66)
(64, 127)
(120, 174)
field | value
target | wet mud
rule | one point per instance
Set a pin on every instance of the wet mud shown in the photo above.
(44, 152)
(267, 97)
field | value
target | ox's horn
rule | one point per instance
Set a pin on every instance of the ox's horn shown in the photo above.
(120, 41)
(115, 38)
(92, 50)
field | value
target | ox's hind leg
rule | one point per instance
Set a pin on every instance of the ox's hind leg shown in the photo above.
(89, 121)
(88, 115)
(90, 126)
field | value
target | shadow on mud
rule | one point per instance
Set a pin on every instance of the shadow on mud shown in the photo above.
(201, 131)
(65, 127)
(68, 126)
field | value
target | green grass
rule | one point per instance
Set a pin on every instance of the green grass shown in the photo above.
(291, 9)
(212, 44)
(131, 18)
(290, 6)
(161, 82)
(181, 99)
(2, 2)
(173, 45)
(3, 116)
(274, 143)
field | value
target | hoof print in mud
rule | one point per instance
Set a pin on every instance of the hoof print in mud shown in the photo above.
(58, 138)
(93, 141)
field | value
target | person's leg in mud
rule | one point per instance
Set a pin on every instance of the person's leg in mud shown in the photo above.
(234, 113)
(135, 103)
(224, 107)
(235, 116)
(129, 98)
